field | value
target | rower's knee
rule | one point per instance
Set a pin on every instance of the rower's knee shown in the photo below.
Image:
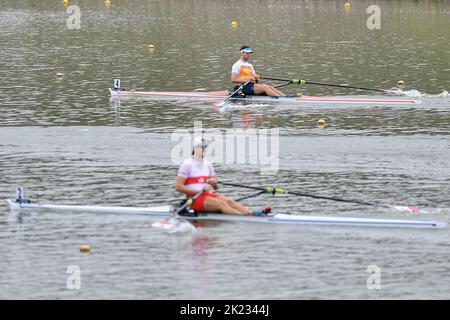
(220, 204)
(269, 90)
(214, 204)
(228, 200)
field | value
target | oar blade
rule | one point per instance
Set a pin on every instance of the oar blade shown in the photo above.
(220, 104)
(405, 209)
(174, 225)
(394, 91)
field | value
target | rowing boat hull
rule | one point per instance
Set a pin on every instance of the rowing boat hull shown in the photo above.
(282, 218)
(222, 95)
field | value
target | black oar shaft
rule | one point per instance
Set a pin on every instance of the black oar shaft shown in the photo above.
(242, 186)
(299, 194)
(250, 196)
(344, 86)
(276, 79)
(283, 84)
(324, 84)
(332, 198)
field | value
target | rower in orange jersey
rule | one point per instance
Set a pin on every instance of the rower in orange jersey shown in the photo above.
(243, 71)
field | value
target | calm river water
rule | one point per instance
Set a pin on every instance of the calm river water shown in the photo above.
(65, 142)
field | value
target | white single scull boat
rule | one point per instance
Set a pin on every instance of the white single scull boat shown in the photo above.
(217, 96)
(283, 218)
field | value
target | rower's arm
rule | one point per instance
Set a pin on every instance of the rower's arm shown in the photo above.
(235, 78)
(180, 186)
(213, 182)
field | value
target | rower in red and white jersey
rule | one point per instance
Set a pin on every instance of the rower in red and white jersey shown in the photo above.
(197, 174)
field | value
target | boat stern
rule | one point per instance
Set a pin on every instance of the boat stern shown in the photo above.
(112, 92)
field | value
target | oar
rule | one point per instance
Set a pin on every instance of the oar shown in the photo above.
(231, 95)
(181, 225)
(300, 82)
(272, 190)
(188, 202)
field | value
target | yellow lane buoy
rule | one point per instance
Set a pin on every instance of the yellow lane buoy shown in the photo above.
(85, 248)
(107, 4)
(321, 123)
(234, 24)
(347, 5)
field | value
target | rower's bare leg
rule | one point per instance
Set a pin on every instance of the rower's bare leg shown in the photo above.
(278, 92)
(274, 91)
(268, 90)
(236, 205)
(220, 205)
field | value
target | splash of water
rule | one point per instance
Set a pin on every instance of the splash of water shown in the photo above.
(417, 94)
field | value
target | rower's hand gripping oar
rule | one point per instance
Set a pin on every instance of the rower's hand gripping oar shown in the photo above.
(273, 190)
(301, 82)
(231, 95)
